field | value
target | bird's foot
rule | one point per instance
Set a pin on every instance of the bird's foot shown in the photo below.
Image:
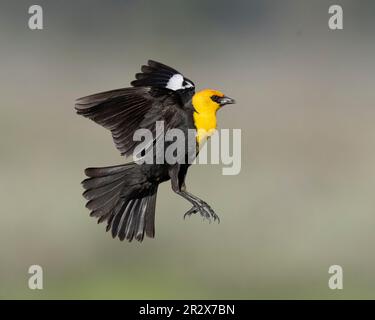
(204, 210)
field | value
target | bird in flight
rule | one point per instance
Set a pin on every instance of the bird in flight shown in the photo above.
(125, 195)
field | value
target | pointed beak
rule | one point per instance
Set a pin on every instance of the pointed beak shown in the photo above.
(226, 100)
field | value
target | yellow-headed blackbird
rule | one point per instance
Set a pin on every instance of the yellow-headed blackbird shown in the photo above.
(125, 195)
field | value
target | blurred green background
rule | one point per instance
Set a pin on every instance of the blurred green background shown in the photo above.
(303, 201)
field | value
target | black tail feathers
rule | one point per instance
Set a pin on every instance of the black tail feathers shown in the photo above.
(122, 196)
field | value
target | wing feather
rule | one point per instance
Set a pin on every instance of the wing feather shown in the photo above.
(151, 99)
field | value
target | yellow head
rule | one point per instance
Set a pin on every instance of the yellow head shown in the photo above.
(206, 103)
(209, 101)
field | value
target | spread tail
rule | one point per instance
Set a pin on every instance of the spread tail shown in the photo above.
(122, 196)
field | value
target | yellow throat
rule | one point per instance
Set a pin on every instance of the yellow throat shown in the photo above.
(205, 113)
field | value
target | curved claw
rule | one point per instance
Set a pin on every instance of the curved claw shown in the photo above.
(216, 217)
(210, 212)
(193, 210)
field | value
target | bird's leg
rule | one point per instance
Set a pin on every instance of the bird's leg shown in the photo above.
(178, 186)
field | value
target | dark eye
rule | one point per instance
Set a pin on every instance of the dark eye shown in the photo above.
(216, 99)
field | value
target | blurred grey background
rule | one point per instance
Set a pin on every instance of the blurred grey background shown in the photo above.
(303, 201)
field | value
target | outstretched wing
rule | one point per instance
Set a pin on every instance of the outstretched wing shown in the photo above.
(152, 99)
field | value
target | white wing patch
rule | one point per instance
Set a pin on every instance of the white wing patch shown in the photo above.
(178, 82)
(175, 83)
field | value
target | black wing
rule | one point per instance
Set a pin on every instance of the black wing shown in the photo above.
(152, 99)
(158, 75)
